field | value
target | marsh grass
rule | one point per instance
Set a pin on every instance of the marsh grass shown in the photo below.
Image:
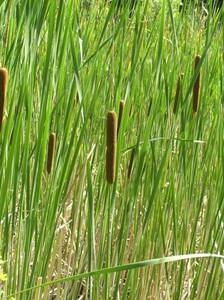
(70, 62)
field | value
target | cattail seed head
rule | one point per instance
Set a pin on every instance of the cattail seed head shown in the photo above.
(111, 146)
(51, 151)
(3, 88)
(196, 88)
(121, 111)
(178, 92)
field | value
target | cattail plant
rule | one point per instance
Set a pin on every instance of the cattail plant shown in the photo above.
(51, 151)
(111, 146)
(178, 92)
(121, 111)
(196, 88)
(3, 88)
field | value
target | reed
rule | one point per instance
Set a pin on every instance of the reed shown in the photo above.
(178, 92)
(196, 88)
(51, 151)
(3, 88)
(111, 146)
(121, 111)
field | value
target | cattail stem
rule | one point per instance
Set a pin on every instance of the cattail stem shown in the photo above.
(111, 146)
(178, 93)
(196, 88)
(51, 151)
(121, 111)
(3, 88)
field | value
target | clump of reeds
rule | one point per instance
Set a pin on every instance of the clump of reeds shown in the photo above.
(111, 146)
(196, 88)
(3, 88)
(51, 151)
(121, 111)
(178, 92)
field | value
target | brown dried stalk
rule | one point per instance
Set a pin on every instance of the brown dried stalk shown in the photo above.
(196, 88)
(51, 151)
(3, 88)
(111, 146)
(178, 92)
(121, 111)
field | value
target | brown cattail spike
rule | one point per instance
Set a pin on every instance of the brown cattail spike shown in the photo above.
(3, 88)
(111, 146)
(51, 151)
(121, 111)
(178, 93)
(196, 88)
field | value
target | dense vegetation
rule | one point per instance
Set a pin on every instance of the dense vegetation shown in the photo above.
(69, 63)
